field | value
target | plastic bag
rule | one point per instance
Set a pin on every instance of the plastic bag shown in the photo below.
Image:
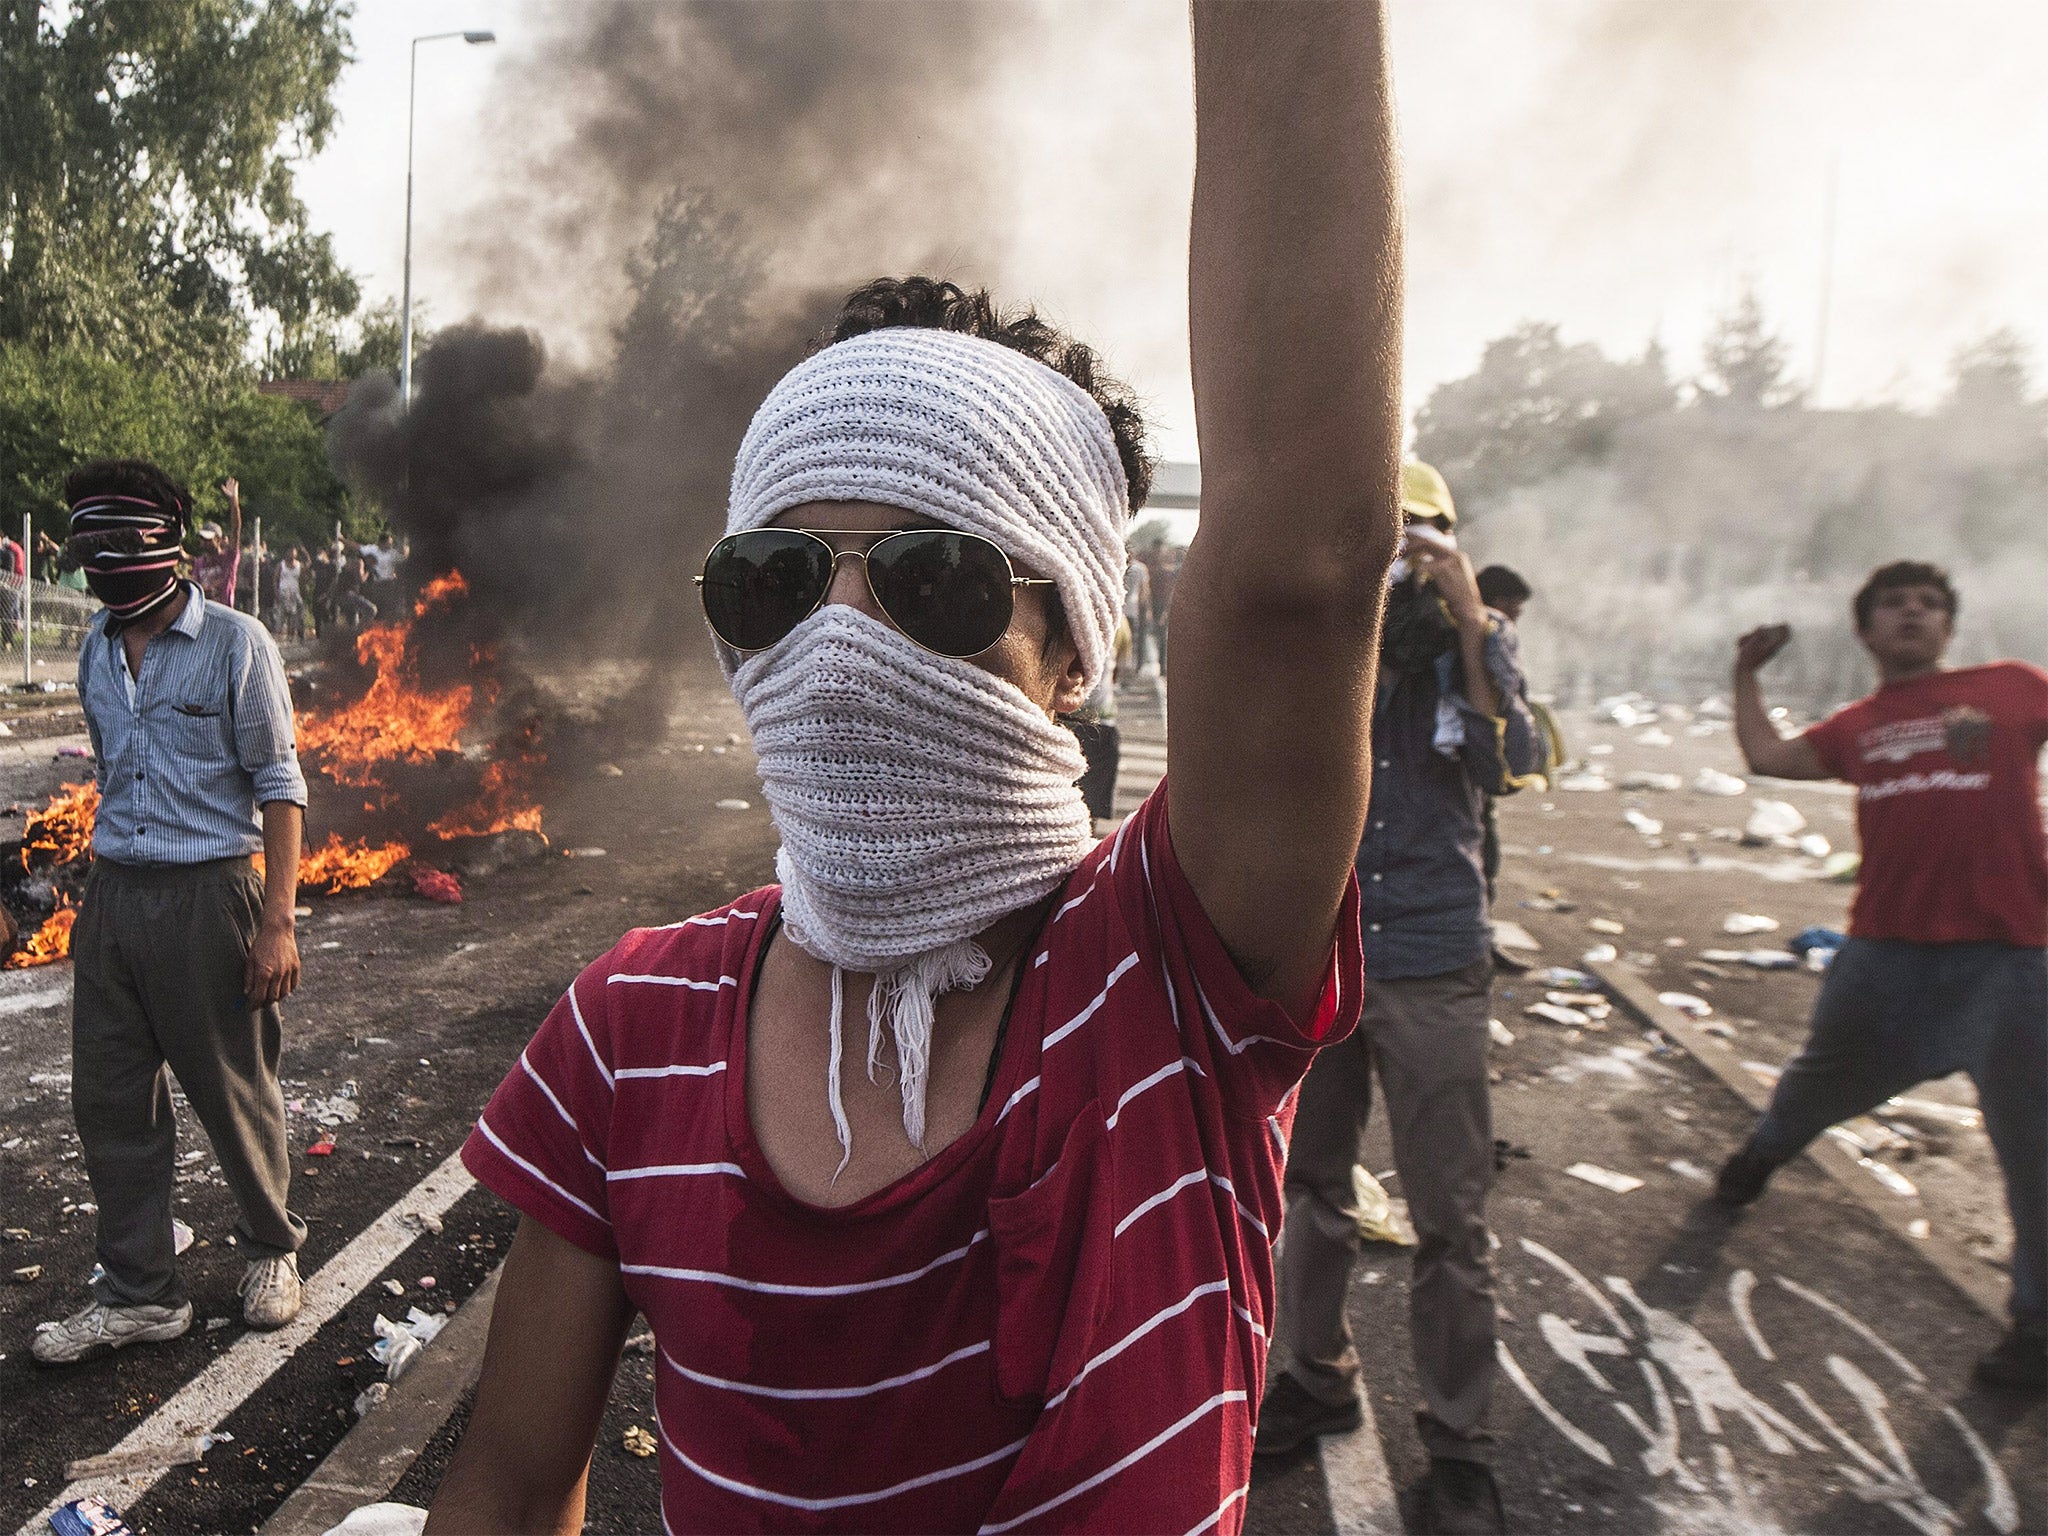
(1381, 1218)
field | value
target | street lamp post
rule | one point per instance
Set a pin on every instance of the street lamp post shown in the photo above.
(411, 95)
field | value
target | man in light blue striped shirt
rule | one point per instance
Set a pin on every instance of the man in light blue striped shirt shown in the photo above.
(182, 952)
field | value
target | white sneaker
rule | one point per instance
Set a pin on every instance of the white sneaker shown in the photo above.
(103, 1326)
(270, 1291)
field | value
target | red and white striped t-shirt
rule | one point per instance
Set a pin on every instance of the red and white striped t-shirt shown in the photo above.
(1057, 1323)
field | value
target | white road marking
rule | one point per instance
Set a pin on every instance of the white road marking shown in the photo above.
(229, 1381)
(16, 1001)
(1355, 1475)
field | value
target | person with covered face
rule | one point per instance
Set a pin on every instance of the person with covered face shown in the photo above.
(1946, 965)
(946, 1171)
(181, 952)
(1449, 729)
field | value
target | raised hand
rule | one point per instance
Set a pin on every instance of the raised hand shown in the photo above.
(1756, 648)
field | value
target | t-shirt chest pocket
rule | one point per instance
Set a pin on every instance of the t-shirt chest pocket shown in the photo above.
(1052, 1245)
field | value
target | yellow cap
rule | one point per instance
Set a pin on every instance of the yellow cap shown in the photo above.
(1424, 494)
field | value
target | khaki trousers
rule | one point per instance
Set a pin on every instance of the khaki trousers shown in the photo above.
(1426, 1037)
(157, 954)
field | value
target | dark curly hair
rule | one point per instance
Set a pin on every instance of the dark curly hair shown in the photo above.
(1903, 573)
(938, 305)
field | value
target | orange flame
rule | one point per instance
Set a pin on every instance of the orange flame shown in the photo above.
(50, 942)
(348, 866)
(62, 830)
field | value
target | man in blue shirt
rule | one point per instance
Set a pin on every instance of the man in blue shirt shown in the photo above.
(1450, 727)
(181, 952)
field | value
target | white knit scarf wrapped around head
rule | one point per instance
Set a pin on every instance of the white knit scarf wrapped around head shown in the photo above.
(919, 798)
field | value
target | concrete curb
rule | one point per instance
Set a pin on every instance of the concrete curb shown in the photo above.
(374, 1455)
(1977, 1281)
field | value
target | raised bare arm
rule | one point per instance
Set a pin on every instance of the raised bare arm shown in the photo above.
(1295, 315)
(1763, 749)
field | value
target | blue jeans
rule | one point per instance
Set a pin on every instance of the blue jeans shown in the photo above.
(1892, 1014)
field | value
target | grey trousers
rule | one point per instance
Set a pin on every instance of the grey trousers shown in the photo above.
(157, 958)
(1892, 1014)
(1426, 1037)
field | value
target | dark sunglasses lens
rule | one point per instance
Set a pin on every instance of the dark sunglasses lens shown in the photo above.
(950, 592)
(759, 585)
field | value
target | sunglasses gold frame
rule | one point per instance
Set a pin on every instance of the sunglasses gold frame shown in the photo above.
(879, 537)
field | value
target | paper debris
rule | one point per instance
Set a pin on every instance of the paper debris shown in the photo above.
(1606, 1178)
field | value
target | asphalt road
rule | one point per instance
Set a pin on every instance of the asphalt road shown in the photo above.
(1798, 1368)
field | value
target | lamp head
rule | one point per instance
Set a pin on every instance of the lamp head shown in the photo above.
(479, 37)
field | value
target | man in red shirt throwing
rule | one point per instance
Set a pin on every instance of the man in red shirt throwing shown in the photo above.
(1945, 969)
(946, 1170)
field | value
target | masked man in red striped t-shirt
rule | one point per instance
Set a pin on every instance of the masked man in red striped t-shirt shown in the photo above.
(946, 1171)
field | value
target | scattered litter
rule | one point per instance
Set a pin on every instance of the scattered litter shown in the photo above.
(73, 752)
(330, 944)
(1674, 942)
(1600, 954)
(640, 1344)
(1549, 901)
(583, 853)
(1773, 818)
(1742, 924)
(437, 885)
(610, 771)
(10, 1144)
(324, 1147)
(398, 1345)
(1712, 781)
(1605, 1178)
(1584, 780)
(395, 1287)
(1381, 1218)
(1654, 738)
(735, 805)
(1889, 1177)
(1592, 1004)
(1768, 959)
(215, 1324)
(1686, 1003)
(1842, 866)
(1816, 937)
(337, 1109)
(1504, 1151)
(371, 1396)
(1649, 826)
(1682, 1116)
(421, 1221)
(1714, 707)
(1509, 935)
(1864, 1134)
(1563, 978)
(1814, 846)
(1959, 1115)
(638, 1441)
(1644, 779)
(1606, 925)
(1499, 1033)
(28, 1274)
(1763, 1072)
(1718, 1027)
(1918, 1227)
(142, 1458)
(16, 1234)
(1686, 1170)
(428, 1282)
(49, 1079)
(87, 1517)
(1571, 1018)
(181, 1236)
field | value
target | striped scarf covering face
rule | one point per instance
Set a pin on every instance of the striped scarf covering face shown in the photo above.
(128, 547)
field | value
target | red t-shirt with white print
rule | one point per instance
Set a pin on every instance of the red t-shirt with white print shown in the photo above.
(1058, 1322)
(1948, 805)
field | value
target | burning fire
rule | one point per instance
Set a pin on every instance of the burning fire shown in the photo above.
(398, 721)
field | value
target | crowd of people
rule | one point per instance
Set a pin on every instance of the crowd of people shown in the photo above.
(1016, 1267)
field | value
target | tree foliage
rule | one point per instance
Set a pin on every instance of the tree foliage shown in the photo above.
(1534, 407)
(1746, 365)
(147, 204)
(61, 407)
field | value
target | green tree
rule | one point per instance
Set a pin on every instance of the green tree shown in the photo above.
(369, 342)
(147, 202)
(1534, 407)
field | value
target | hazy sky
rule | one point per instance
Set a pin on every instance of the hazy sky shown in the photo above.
(1619, 166)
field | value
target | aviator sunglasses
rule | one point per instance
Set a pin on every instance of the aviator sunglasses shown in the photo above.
(952, 593)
